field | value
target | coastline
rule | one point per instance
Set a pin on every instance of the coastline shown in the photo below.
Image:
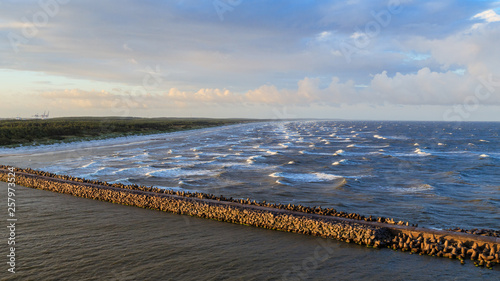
(84, 143)
(483, 250)
(89, 129)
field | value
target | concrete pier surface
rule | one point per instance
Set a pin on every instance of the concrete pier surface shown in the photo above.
(483, 250)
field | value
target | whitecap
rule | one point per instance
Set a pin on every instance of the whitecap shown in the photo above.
(251, 159)
(422, 153)
(307, 177)
(91, 163)
(336, 163)
(484, 156)
(379, 137)
(411, 188)
(176, 172)
(351, 145)
(338, 152)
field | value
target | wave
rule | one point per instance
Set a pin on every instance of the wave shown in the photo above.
(286, 145)
(91, 163)
(336, 163)
(422, 153)
(294, 178)
(317, 153)
(177, 172)
(338, 152)
(411, 188)
(251, 159)
(379, 137)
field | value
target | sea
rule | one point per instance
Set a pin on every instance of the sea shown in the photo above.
(435, 174)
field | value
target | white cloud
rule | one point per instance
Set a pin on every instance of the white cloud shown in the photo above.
(425, 87)
(126, 47)
(422, 88)
(488, 16)
(323, 36)
(12, 25)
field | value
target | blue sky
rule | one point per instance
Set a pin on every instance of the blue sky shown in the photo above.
(356, 59)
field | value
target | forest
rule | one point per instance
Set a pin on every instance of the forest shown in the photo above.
(38, 131)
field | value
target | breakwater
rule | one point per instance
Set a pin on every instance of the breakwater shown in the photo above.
(353, 228)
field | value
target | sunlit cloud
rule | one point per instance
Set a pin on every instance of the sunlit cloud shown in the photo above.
(162, 55)
(488, 16)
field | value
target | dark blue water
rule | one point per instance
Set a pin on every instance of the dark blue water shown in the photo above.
(61, 237)
(435, 174)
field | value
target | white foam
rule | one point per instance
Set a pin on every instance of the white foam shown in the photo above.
(307, 177)
(338, 152)
(379, 137)
(336, 163)
(484, 156)
(411, 188)
(422, 153)
(351, 145)
(328, 177)
(91, 163)
(251, 159)
(176, 172)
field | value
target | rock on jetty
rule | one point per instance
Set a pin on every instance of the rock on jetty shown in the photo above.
(349, 227)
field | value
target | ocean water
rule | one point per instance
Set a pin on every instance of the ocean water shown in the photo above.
(436, 174)
(61, 237)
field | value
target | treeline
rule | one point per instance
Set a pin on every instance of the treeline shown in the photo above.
(36, 131)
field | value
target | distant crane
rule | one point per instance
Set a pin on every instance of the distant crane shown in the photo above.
(43, 116)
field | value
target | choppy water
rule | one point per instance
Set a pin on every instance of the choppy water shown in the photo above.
(60, 237)
(435, 174)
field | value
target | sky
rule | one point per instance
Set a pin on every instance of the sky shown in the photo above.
(355, 59)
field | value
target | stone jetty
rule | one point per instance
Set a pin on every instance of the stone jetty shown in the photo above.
(480, 246)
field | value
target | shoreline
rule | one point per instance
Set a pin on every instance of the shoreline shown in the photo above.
(351, 228)
(104, 142)
(59, 131)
